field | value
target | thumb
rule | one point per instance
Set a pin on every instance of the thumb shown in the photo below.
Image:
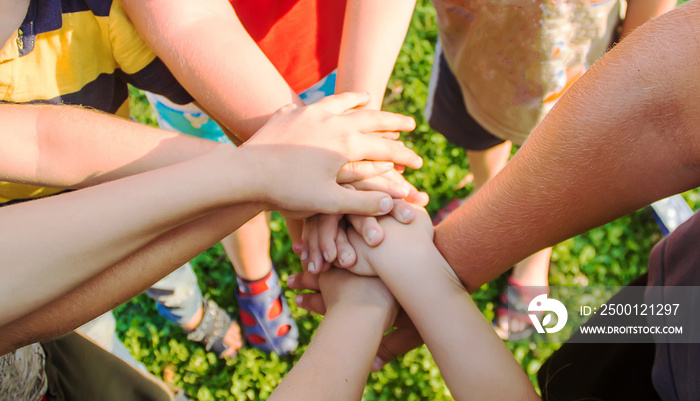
(368, 203)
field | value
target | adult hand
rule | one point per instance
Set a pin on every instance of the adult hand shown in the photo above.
(302, 151)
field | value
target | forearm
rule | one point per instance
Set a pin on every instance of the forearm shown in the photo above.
(63, 146)
(123, 280)
(229, 76)
(620, 138)
(373, 32)
(641, 11)
(338, 360)
(473, 361)
(81, 233)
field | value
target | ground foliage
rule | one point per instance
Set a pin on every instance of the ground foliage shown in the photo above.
(610, 255)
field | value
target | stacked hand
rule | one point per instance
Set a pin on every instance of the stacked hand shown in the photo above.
(404, 337)
(317, 142)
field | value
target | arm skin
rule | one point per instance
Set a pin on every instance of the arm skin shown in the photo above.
(336, 363)
(140, 208)
(622, 137)
(373, 32)
(81, 233)
(234, 81)
(36, 139)
(230, 76)
(227, 73)
(474, 362)
(116, 284)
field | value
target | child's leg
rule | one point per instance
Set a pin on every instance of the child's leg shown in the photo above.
(266, 320)
(534, 270)
(248, 248)
(180, 300)
(485, 164)
(250, 259)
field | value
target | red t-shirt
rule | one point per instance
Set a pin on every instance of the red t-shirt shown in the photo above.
(300, 37)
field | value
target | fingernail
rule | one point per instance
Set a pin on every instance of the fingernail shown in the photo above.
(297, 247)
(406, 214)
(290, 280)
(406, 189)
(371, 234)
(344, 257)
(385, 205)
(298, 299)
(312, 267)
(377, 364)
(304, 255)
(326, 257)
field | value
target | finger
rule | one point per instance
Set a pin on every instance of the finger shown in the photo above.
(403, 212)
(313, 302)
(360, 170)
(396, 343)
(304, 281)
(368, 147)
(390, 182)
(340, 103)
(346, 253)
(340, 200)
(327, 233)
(369, 121)
(418, 198)
(315, 261)
(368, 227)
(297, 247)
(385, 134)
(305, 239)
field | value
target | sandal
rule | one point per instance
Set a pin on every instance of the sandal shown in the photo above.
(266, 320)
(514, 306)
(212, 329)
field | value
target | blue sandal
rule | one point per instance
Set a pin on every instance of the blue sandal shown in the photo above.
(265, 317)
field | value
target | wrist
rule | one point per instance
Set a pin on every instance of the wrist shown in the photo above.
(245, 174)
(371, 314)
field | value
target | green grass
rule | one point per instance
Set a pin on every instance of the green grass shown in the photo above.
(611, 255)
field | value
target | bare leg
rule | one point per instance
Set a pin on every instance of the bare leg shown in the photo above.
(248, 248)
(533, 271)
(485, 164)
(249, 251)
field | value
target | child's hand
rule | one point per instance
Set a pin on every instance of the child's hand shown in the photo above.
(402, 339)
(342, 287)
(301, 151)
(337, 289)
(325, 240)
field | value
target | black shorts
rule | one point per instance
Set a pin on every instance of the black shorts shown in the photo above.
(447, 114)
